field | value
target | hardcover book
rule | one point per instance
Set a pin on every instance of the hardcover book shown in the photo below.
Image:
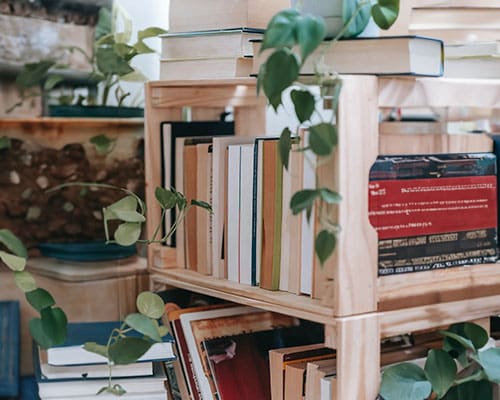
(434, 211)
(9, 348)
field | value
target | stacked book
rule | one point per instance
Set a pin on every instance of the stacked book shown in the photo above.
(210, 40)
(71, 372)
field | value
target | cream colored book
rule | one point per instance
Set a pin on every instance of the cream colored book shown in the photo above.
(205, 68)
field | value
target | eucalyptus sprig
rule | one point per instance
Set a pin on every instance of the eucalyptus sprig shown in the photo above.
(292, 37)
(464, 369)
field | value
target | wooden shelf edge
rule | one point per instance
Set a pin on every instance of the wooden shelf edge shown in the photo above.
(280, 302)
(205, 82)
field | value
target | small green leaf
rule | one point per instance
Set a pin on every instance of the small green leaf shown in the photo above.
(127, 203)
(117, 390)
(150, 304)
(405, 381)
(202, 204)
(303, 200)
(285, 146)
(490, 361)
(111, 63)
(474, 390)
(5, 142)
(280, 31)
(103, 144)
(54, 323)
(152, 31)
(125, 51)
(15, 263)
(278, 73)
(322, 138)
(163, 330)
(38, 334)
(358, 24)
(104, 23)
(303, 102)
(128, 233)
(476, 333)
(385, 13)
(33, 74)
(25, 281)
(310, 32)
(329, 196)
(144, 325)
(40, 299)
(11, 241)
(463, 341)
(165, 197)
(128, 350)
(181, 200)
(324, 245)
(96, 348)
(441, 371)
(52, 81)
(129, 216)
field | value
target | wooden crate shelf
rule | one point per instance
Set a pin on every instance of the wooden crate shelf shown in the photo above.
(361, 307)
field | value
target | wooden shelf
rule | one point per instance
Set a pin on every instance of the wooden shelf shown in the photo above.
(281, 302)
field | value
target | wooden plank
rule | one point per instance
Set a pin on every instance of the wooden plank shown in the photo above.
(355, 270)
(358, 357)
(455, 18)
(431, 287)
(435, 315)
(455, 3)
(408, 128)
(439, 92)
(450, 36)
(282, 302)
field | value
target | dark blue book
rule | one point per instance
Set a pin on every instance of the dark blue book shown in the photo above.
(73, 353)
(9, 348)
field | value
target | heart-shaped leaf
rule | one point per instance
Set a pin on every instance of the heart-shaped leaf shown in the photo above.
(358, 23)
(25, 281)
(128, 233)
(128, 350)
(144, 325)
(303, 102)
(310, 32)
(303, 200)
(15, 263)
(165, 197)
(150, 305)
(12, 242)
(322, 138)
(280, 31)
(405, 381)
(129, 216)
(385, 13)
(40, 299)
(441, 371)
(324, 245)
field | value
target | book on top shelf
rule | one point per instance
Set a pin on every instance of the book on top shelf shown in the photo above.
(71, 352)
(205, 68)
(200, 15)
(210, 44)
(389, 55)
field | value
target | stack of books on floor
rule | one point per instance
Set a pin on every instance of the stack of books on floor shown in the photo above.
(71, 372)
(210, 40)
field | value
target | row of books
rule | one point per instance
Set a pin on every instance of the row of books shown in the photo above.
(71, 372)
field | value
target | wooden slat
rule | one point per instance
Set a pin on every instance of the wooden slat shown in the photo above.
(282, 302)
(358, 357)
(455, 3)
(439, 92)
(435, 315)
(454, 18)
(356, 252)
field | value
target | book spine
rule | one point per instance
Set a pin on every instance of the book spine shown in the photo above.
(255, 193)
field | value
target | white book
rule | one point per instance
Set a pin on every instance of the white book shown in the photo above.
(246, 200)
(233, 211)
(327, 387)
(128, 396)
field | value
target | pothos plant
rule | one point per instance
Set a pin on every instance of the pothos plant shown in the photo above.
(292, 37)
(464, 369)
(49, 329)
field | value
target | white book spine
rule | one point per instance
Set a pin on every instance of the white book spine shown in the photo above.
(233, 212)
(246, 196)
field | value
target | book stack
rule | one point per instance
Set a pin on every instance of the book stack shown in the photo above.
(473, 60)
(210, 40)
(71, 372)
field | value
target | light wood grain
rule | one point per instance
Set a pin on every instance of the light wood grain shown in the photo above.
(356, 252)
(455, 3)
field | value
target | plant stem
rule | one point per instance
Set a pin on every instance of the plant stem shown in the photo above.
(157, 229)
(477, 376)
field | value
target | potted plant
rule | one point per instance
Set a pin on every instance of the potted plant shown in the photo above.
(110, 64)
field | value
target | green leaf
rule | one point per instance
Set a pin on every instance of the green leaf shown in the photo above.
(459, 339)
(38, 334)
(490, 361)
(117, 390)
(324, 245)
(385, 13)
(128, 233)
(284, 146)
(15, 263)
(152, 31)
(405, 381)
(9, 240)
(165, 197)
(303, 200)
(52, 81)
(310, 32)
(129, 216)
(322, 138)
(127, 203)
(125, 51)
(128, 350)
(40, 299)
(33, 74)
(163, 330)
(280, 31)
(142, 48)
(278, 73)
(476, 333)
(110, 63)
(96, 348)
(150, 304)
(24, 281)
(5, 142)
(441, 371)
(144, 325)
(181, 200)
(54, 323)
(103, 144)
(474, 390)
(303, 102)
(358, 24)
(202, 204)
(104, 23)
(329, 196)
